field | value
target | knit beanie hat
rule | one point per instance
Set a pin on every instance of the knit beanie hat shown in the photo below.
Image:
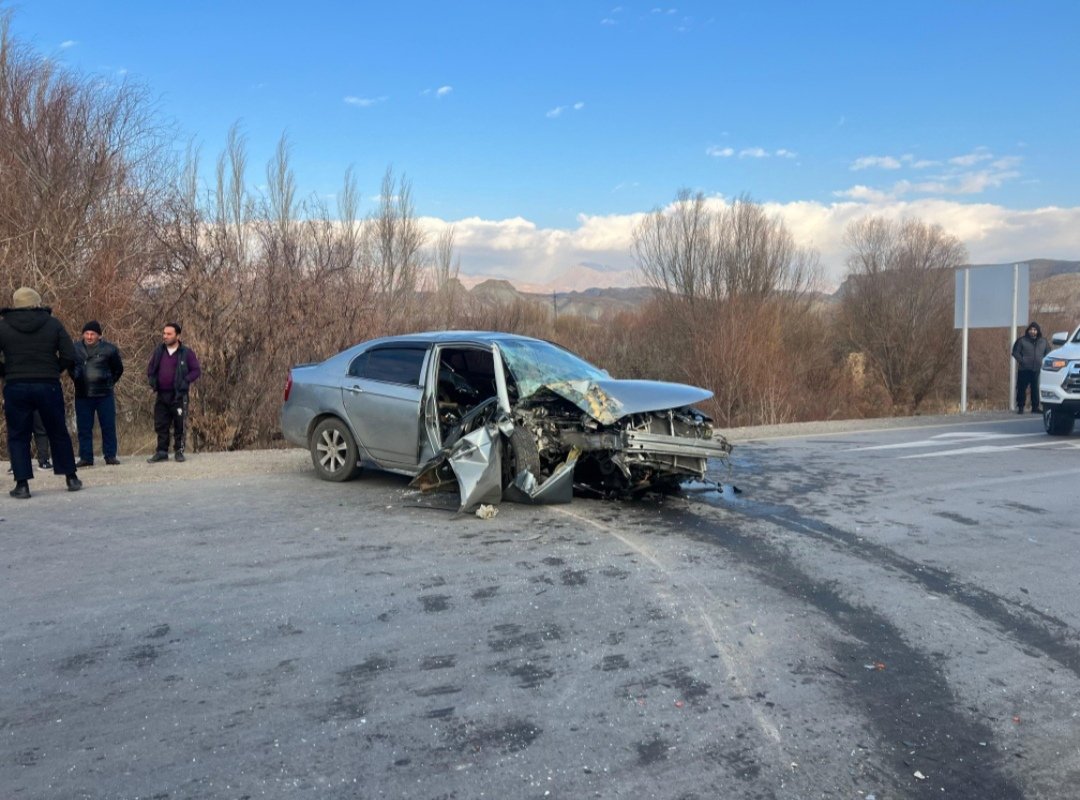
(92, 325)
(25, 297)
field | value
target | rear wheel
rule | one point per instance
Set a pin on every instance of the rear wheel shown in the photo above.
(1058, 422)
(334, 451)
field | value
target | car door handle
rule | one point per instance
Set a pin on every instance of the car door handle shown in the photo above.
(355, 389)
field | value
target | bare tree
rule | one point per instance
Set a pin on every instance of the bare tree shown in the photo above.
(78, 159)
(727, 275)
(395, 244)
(896, 305)
(447, 289)
(697, 249)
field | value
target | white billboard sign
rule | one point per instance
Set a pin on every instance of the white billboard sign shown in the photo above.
(989, 297)
(997, 296)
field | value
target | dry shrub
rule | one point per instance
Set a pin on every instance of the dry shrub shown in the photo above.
(82, 179)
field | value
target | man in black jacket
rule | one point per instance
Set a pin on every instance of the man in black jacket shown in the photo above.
(172, 369)
(1029, 351)
(36, 349)
(101, 369)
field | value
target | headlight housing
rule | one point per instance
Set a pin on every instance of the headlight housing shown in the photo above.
(1054, 364)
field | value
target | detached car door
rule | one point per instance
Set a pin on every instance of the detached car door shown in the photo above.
(382, 395)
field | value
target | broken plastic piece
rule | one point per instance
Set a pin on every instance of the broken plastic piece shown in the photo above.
(486, 511)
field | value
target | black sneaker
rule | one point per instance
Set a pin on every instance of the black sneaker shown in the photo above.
(158, 456)
(179, 457)
(82, 462)
(112, 462)
(73, 483)
(21, 491)
(45, 464)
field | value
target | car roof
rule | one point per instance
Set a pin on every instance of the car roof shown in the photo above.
(440, 337)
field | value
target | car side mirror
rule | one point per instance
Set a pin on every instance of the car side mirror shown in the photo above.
(1059, 338)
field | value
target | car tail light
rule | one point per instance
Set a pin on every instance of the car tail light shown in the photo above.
(288, 388)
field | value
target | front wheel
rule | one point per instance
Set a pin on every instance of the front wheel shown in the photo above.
(521, 454)
(1058, 422)
(333, 451)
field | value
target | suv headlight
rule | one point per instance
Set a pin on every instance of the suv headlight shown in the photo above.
(1055, 364)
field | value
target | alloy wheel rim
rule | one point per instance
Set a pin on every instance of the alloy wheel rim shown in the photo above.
(332, 450)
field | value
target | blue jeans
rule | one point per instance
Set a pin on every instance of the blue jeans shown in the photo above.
(21, 400)
(85, 409)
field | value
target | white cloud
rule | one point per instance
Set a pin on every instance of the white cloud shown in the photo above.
(363, 102)
(529, 256)
(66, 45)
(558, 110)
(860, 192)
(881, 162)
(443, 91)
(608, 21)
(956, 176)
(978, 155)
(720, 152)
(918, 163)
(753, 152)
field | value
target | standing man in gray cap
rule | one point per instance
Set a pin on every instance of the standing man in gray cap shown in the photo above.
(101, 369)
(36, 350)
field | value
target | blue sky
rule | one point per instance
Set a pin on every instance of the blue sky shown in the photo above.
(543, 131)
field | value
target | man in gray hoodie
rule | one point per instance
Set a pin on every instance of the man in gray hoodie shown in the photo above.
(1029, 351)
(36, 350)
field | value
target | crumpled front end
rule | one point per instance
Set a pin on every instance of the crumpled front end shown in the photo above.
(633, 453)
(602, 436)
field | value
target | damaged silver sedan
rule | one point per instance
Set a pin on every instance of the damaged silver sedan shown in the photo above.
(496, 416)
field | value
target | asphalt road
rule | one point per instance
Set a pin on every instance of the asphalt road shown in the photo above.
(887, 613)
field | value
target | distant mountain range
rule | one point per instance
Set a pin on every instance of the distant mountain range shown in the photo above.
(594, 303)
(1042, 268)
(590, 303)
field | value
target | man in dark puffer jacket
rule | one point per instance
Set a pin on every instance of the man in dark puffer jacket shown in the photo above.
(94, 381)
(1029, 351)
(36, 349)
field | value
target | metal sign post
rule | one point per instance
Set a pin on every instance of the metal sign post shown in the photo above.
(1012, 336)
(964, 346)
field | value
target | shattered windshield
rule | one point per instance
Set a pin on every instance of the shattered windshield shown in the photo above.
(534, 363)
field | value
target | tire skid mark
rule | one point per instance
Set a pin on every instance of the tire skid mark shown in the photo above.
(910, 705)
(1021, 621)
(727, 653)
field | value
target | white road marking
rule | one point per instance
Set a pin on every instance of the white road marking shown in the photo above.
(981, 483)
(946, 439)
(990, 448)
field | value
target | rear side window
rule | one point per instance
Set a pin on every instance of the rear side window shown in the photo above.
(389, 364)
